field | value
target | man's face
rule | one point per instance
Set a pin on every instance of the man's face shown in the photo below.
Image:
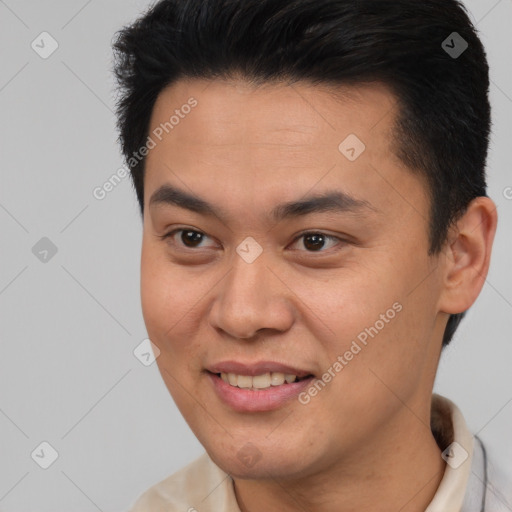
(359, 282)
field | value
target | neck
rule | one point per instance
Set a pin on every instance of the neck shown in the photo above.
(402, 467)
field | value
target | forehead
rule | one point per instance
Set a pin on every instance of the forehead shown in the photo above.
(237, 112)
(273, 140)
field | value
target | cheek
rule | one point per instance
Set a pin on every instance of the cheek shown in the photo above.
(162, 295)
(374, 308)
(171, 299)
(165, 288)
(350, 301)
(154, 289)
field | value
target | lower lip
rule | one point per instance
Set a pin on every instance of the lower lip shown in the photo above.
(246, 400)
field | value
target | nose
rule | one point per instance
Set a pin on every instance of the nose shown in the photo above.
(252, 297)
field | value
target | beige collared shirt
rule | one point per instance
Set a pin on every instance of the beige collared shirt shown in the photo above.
(203, 487)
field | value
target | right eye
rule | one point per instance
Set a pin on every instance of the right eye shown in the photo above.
(188, 239)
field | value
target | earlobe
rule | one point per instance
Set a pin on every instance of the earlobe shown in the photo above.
(468, 254)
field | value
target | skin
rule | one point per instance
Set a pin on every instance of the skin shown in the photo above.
(365, 439)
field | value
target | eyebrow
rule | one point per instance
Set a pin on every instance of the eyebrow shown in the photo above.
(333, 201)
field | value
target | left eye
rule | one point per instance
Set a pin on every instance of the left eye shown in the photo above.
(313, 241)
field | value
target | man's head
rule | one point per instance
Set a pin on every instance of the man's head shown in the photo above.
(256, 113)
(442, 125)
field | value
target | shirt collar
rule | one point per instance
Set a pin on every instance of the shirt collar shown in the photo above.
(449, 428)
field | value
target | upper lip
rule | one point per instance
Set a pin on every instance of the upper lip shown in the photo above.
(257, 368)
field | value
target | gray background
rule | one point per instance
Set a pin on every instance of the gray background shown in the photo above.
(69, 326)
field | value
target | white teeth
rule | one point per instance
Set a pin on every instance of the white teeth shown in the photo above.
(264, 381)
(244, 381)
(261, 381)
(276, 379)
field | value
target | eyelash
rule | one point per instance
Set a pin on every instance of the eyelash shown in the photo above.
(298, 237)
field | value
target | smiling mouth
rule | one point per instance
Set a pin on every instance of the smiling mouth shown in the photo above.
(260, 382)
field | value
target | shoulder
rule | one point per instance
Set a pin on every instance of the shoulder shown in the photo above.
(186, 489)
(499, 488)
(490, 484)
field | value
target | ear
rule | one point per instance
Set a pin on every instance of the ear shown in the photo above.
(468, 254)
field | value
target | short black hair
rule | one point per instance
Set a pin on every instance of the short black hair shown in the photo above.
(443, 125)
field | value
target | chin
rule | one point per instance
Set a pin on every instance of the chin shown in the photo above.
(259, 463)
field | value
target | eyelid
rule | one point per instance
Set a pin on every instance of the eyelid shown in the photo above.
(170, 234)
(325, 235)
(341, 241)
